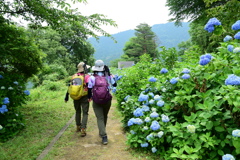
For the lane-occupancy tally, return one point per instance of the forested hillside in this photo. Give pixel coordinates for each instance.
(168, 34)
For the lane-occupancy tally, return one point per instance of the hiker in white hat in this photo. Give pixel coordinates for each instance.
(99, 92)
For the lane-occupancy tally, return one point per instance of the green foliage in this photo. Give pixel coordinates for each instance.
(19, 54)
(53, 72)
(11, 118)
(145, 42)
(168, 57)
(203, 102)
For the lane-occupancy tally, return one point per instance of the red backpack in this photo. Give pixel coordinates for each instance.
(101, 92)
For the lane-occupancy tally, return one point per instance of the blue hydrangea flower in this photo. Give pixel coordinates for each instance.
(160, 134)
(160, 103)
(3, 109)
(1, 127)
(114, 89)
(236, 25)
(126, 98)
(27, 92)
(227, 38)
(145, 108)
(6, 100)
(132, 132)
(237, 35)
(164, 70)
(154, 109)
(147, 119)
(152, 79)
(15, 82)
(228, 157)
(145, 128)
(149, 137)
(232, 80)
(209, 56)
(154, 115)
(144, 144)
(151, 94)
(155, 125)
(174, 80)
(165, 118)
(230, 48)
(186, 71)
(157, 97)
(138, 121)
(138, 112)
(191, 128)
(1, 77)
(10, 88)
(236, 50)
(211, 23)
(236, 133)
(142, 98)
(154, 149)
(185, 76)
(151, 101)
(131, 121)
(204, 61)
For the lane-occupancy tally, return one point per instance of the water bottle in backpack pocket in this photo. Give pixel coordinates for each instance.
(101, 92)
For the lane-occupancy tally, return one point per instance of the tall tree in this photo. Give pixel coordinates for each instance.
(144, 42)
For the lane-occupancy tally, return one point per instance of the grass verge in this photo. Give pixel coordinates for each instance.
(45, 113)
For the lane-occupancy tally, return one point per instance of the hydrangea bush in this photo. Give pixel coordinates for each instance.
(191, 111)
(13, 94)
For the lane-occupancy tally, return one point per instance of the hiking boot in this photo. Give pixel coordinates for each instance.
(104, 140)
(83, 132)
(78, 129)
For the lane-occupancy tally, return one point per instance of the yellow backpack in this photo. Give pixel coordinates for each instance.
(77, 88)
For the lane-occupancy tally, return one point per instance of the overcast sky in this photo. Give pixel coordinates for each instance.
(127, 13)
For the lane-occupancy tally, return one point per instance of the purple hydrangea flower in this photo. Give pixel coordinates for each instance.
(230, 48)
(236, 25)
(163, 70)
(185, 76)
(211, 23)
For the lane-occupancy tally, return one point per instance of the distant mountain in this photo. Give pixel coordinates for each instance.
(168, 34)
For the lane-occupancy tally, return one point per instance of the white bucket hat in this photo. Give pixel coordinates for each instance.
(99, 65)
(80, 66)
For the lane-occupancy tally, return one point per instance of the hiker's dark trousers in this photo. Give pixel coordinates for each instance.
(101, 112)
(81, 106)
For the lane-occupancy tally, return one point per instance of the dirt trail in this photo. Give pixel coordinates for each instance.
(90, 147)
